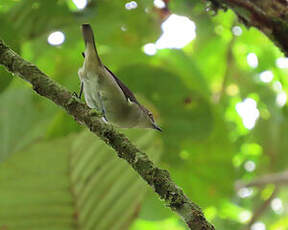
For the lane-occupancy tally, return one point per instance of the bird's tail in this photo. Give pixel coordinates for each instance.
(88, 34)
(88, 37)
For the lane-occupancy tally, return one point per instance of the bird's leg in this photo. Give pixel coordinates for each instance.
(102, 106)
(99, 110)
(80, 93)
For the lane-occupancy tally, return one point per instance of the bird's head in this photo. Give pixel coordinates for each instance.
(148, 120)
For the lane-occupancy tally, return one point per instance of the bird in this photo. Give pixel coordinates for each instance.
(106, 93)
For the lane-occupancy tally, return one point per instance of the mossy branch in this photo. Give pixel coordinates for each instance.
(157, 178)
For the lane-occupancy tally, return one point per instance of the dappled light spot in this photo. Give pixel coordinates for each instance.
(258, 226)
(219, 29)
(282, 62)
(277, 86)
(80, 4)
(277, 205)
(236, 30)
(252, 149)
(184, 154)
(232, 90)
(150, 49)
(266, 76)
(248, 111)
(56, 38)
(252, 60)
(281, 99)
(35, 5)
(244, 216)
(131, 5)
(159, 4)
(250, 166)
(178, 31)
(123, 28)
(147, 10)
(245, 192)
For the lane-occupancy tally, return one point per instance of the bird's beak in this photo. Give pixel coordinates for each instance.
(156, 127)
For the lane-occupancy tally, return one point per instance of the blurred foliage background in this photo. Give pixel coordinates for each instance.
(218, 91)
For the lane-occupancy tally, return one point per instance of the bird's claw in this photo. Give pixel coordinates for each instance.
(74, 94)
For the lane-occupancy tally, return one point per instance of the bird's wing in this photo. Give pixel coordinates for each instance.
(126, 91)
(130, 97)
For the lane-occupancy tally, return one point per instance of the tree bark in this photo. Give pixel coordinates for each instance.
(157, 178)
(269, 16)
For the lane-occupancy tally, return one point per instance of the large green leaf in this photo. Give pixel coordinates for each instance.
(206, 171)
(76, 181)
(20, 121)
(11, 38)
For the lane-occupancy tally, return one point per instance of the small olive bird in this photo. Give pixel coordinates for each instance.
(104, 92)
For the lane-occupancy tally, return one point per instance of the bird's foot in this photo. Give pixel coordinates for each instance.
(74, 94)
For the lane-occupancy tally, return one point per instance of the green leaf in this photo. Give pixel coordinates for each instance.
(167, 224)
(11, 38)
(183, 113)
(70, 182)
(6, 5)
(205, 171)
(19, 121)
(62, 125)
(181, 64)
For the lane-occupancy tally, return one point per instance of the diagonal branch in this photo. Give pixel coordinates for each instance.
(157, 178)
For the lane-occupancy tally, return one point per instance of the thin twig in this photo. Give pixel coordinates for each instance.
(273, 178)
(260, 210)
(229, 63)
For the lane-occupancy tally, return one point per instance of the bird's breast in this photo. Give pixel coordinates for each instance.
(91, 90)
(112, 100)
